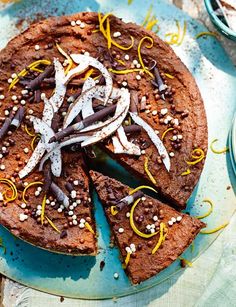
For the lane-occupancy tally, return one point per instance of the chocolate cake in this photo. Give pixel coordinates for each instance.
(179, 229)
(69, 82)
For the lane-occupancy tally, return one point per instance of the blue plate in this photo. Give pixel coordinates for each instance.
(80, 277)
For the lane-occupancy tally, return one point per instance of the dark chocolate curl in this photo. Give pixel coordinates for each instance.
(59, 194)
(161, 85)
(132, 129)
(6, 125)
(84, 123)
(134, 101)
(35, 84)
(128, 200)
(69, 187)
(18, 117)
(47, 178)
(37, 96)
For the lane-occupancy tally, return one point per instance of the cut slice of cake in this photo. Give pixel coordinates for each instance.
(149, 234)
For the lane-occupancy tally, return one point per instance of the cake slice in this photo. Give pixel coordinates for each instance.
(168, 231)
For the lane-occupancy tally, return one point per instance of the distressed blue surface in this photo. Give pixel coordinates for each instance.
(80, 277)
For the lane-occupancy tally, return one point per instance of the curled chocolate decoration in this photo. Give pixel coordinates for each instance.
(161, 85)
(59, 194)
(132, 129)
(37, 96)
(6, 125)
(134, 102)
(127, 200)
(84, 123)
(35, 83)
(47, 178)
(69, 187)
(18, 117)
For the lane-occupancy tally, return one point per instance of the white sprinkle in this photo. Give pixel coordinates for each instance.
(82, 25)
(26, 150)
(116, 275)
(38, 212)
(148, 227)
(124, 83)
(128, 214)
(143, 198)
(23, 205)
(71, 213)
(78, 22)
(157, 132)
(179, 218)
(14, 75)
(74, 222)
(173, 219)
(121, 230)
(73, 23)
(15, 108)
(1, 156)
(36, 47)
(82, 221)
(170, 223)
(138, 77)
(164, 111)
(138, 65)
(24, 92)
(87, 53)
(39, 207)
(154, 112)
(42, 96)
(171, 154)
(166, 121)
(64, 114)
(4, 148)
(132, 247)
(2, 97)
(116, 34)
(128, 250)
(36, 193)
(6, 112)
(74, 217)
(23, 102)
(180, 136)
(74, 204)
(147, 111)
(176, 121)
(39, 189)
(2, 167)
(89, 199)
(78, 201)
(47, 201)
(23, 217)
(71, 207)
(73, 194)
(52, 203)
(59, 210)
(127, 57)
(152, 230)
(169, 118)
(9, 80)
(81, 225)
(76, 182)
(135, 62)
(174, 137)
(30, 111)
(155, 218)
(25, 184)
(62, 207)
(143, 152)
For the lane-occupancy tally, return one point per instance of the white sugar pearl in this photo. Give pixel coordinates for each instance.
(128, 250)
(2, 167)
(23, 217)
(148, 227)
(132, 247)
(173, 219)
(74, 217)
(124, 83)
(26, 150)
(170, 223)
(126, 57)
(152, 230)
(14, 75)
(36, 47)
(6, 112)
(127, 214)
(38, 212)
(121, 230)
(15, 108)
(164, 111)
(116, 275)
(155, 218)
(36, 193)
(78, 201)
(179, 218)
(9, 80)
(143, 198)
(70, 213)
(74, 222)
(78, 22)
(138, 77)
(71, 207)
(73, 23)
(116, 34)
(135, 62)
(154, 112)
(59, 210)
(138, 65)
(76, 182)
(39, 207)
(180, 136)
(24, 92)
(14, 97)
(39, 189)
(73, 194)
(81, 225)
(82, 25)
(174, 137)
(2, 97)
(62, 207)
(52, 203)
(171, 154)
(22, 102)
(43, 96)
(82, 221)
(23, 205)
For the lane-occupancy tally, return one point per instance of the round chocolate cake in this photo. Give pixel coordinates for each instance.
(71, 82)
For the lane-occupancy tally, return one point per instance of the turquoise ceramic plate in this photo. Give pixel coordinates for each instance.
(232, 141)
(80, 277)
(218, 23)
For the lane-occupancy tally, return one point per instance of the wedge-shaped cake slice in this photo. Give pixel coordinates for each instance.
(150, 234)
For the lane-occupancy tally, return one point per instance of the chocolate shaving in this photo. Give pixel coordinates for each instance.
(6, 125)
(59, 194)
(37, 96)
(84, 123)
(128, 200)
(63, 234)
(161, 85)
(18, 117)
(69, 187)
(133, 101)
(47, 178)
(55, 121)
(132, 129)
(35, 83)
